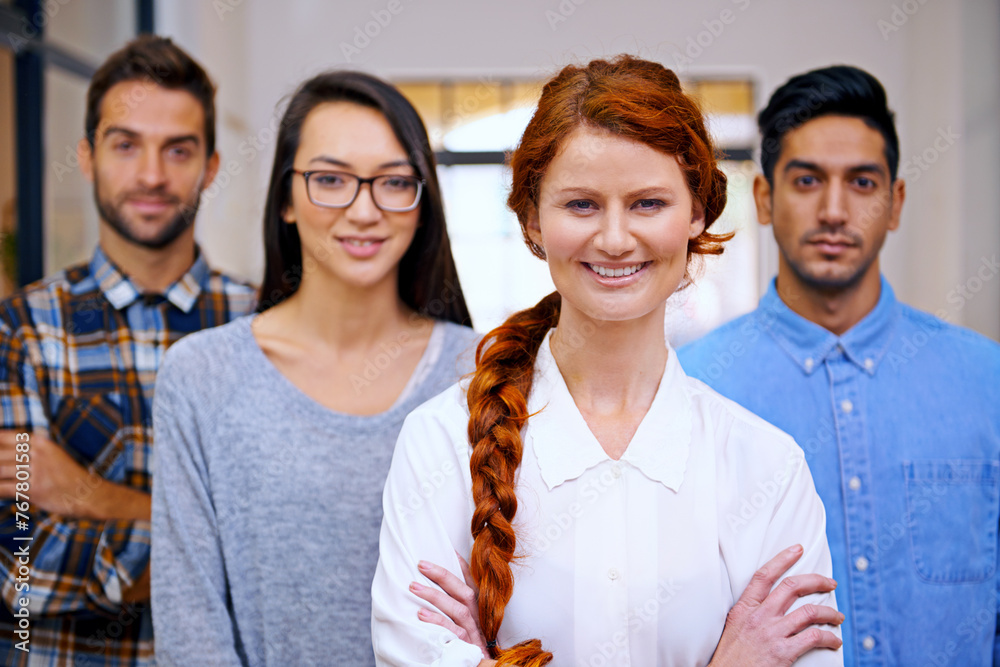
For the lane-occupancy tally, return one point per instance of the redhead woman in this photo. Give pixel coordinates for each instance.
(612, 511)
(274, 433)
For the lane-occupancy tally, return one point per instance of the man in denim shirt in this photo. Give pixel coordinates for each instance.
(898, 412)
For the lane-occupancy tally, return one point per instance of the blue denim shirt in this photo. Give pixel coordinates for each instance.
(900, 421)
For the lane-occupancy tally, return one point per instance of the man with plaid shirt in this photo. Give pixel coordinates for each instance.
(78, 358)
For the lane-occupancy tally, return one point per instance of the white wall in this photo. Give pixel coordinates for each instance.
(937, 60)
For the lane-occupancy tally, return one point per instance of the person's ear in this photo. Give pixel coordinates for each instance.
(898, 197)
(288, 211)
(534, 229)
(211, 169)
(697, 219)
(85, 158)
(762, 198)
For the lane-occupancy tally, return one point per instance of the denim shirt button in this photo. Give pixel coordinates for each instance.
(854, 483)
(808, 364)
(868, 642)
(846, 406)
(861, 563)
(869, 364)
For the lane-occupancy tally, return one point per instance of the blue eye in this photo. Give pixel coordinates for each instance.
(806, 180)
(581, 205)
(865, 182)
(650, 204)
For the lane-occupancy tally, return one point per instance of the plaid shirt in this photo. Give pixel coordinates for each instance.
(78, 356)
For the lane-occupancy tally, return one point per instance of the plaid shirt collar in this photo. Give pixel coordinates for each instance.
(121, 292)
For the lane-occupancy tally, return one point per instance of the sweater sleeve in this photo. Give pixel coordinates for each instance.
(191, 615)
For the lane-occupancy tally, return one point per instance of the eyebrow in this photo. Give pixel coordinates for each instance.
(132, 134)
(865, 168)
(326, 159)
(661, 190)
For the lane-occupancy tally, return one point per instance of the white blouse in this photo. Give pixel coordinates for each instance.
(628, 562)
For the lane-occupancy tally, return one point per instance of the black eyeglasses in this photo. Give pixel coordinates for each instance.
(339, 189)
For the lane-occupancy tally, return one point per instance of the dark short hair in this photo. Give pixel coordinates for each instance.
(428, 278)
(840, 90)
(161, 62)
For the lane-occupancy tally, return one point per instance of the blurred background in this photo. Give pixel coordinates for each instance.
(473, 69)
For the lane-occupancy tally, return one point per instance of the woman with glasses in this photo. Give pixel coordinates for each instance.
(274, 433)
(604, 508)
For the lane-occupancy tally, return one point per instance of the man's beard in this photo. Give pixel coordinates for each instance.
(184, 218)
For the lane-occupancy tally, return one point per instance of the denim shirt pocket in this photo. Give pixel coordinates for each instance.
(953, 507)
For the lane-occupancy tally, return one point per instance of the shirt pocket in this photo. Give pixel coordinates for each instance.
(953, 507)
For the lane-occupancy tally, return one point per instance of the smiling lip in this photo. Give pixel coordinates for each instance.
(616, 274)
(361, 247)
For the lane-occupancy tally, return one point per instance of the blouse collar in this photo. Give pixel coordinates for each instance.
(565, 447)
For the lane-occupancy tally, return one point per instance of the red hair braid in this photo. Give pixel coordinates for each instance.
(498, 410)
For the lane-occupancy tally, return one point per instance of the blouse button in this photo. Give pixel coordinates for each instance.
(614, 574)
(809, 364)
(861, 563)
(854, 483)
(616, 470)
(846, 406)
(868, 642)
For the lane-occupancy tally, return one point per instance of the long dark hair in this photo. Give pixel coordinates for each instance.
(428, 280)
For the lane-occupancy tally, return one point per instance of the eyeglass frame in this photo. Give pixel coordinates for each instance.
(361, 181)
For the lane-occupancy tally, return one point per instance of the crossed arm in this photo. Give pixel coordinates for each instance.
(758, 632)
(90, 536)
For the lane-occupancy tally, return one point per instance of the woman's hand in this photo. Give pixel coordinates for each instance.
(456, 603)
(757, 630)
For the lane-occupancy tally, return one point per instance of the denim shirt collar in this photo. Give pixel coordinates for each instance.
(809, 345)
(122, 293)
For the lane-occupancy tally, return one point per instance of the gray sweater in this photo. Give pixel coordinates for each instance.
(267, 505)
